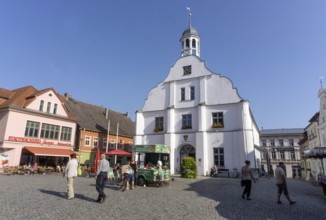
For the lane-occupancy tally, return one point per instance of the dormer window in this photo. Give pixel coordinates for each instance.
(187, 70)
(55, 108)
(41, 105)
(48, 107)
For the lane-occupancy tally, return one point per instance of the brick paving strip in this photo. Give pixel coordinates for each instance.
(43, 197)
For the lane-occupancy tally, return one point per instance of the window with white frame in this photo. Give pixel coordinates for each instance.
(48, 108)
(186, 121)
(272, 142)
(291, 142)
(281, 142)
(95, 142)
(282, 154)
(192, 92)
(292, 153)
(217, 120)
(158, 124)
(49, 131)
(264, 142)
(183, 94)
(32, 129)
(55, 108)
(65, 133)
(41, 105)
(219, 156)
(87, 141)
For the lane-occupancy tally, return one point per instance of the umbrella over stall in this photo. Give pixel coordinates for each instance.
(118, 152)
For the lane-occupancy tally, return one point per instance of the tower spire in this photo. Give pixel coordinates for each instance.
(190, 40)
(189, 14)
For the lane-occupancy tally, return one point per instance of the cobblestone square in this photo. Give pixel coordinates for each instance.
(43, 197)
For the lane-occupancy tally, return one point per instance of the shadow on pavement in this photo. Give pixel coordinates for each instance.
(64, 195)
(226, 192)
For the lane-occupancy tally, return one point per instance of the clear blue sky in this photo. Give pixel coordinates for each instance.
(112, 53)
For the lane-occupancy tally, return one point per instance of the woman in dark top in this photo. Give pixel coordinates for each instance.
(134, 166)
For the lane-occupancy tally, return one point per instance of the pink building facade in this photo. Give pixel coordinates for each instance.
(35, 126)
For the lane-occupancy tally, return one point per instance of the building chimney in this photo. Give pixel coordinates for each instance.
(67, 96)
(106, 113)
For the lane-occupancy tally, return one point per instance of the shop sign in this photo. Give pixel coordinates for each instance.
(37, 141)
(4, 160)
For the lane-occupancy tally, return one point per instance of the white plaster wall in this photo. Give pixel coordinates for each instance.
(158, 98)
(232, 118)
(220, 91)
(213, 93)
(178, 119)
(140, 123)
(187, 83)
(199, 69)
(149, 121)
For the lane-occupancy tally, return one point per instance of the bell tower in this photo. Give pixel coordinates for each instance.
(190, 40)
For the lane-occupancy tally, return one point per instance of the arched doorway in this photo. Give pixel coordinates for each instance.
(187, 151)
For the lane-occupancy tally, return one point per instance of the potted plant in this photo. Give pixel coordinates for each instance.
(158, 129)
(218, 125)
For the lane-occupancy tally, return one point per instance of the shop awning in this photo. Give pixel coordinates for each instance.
(52, 152)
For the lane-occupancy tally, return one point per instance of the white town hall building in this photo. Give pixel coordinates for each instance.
(199, 113)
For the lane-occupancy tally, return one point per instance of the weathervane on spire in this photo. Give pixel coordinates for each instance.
(321, 81)
(189, 13)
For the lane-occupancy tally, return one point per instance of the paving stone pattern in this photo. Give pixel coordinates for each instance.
(44, 197)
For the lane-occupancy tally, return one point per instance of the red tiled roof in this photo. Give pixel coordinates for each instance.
(24, 96)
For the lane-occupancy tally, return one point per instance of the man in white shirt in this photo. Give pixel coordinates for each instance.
(71, 174)
(101, 177)
(281, 183)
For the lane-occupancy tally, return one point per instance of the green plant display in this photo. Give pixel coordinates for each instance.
(188, 168)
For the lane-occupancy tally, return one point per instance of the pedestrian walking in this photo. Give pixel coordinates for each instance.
(281, 184)
(71, 174)
(134, 166)
(247, 177)
(101, 178)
